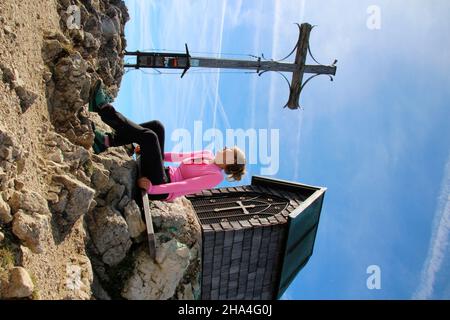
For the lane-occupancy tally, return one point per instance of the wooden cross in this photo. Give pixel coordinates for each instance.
(298, 68)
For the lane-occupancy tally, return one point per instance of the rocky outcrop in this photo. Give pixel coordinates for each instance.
(175, 271)
(119, 241)
(71, 220)
(12, 78)
(136, 225)
(79, 56)
(12, 159)
(29, 201)
(33, 229)
(26, 210)
(19, 284)
(5, 212)
(74, 199)
(110, 234)
(68, 92)
(158, 279)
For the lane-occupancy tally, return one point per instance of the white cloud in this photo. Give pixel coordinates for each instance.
(438, 249)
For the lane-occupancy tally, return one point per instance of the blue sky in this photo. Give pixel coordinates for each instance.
(377, 137)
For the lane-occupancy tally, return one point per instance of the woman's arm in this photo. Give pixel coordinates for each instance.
(186, 186)
(180, 156)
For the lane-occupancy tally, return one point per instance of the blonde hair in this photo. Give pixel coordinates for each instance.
(236, 170)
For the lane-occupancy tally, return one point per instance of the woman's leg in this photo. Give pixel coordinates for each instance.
(158, 128)
(125, 129)
(152, 165)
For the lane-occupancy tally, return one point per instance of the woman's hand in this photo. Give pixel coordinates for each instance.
(144, 183)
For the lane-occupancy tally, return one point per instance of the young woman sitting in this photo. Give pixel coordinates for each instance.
(197, 170)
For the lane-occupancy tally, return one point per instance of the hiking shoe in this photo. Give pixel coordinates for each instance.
(99, 145)
(98, 97)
